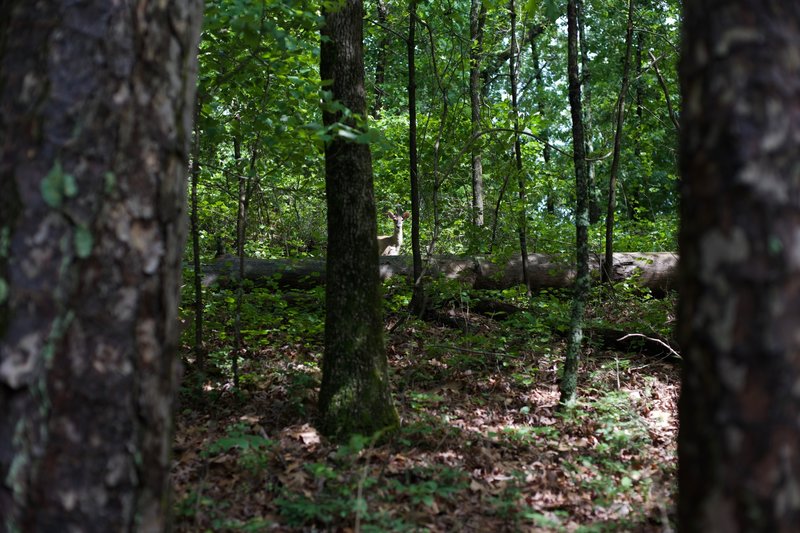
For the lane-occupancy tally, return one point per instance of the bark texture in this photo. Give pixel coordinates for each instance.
(569, 379)
(739, 441)
(96, 102)
(354, 395)
(588, 113)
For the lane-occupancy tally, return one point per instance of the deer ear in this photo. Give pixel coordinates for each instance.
(405, 215)
(389, 214)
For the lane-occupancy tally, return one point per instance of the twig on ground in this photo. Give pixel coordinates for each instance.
(659, 341)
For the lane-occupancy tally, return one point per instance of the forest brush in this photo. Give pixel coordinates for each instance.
(656, 271)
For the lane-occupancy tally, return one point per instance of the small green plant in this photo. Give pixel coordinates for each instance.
(302, 385)
(525, 378)
(253, 525)
(517, 435)
(397, 291)
(336, 501)
(425, 400)
(424, 485)
(607, 469)
(619, 426)
(427, 430)
(194, 501)
(511, 507)
(253, 449)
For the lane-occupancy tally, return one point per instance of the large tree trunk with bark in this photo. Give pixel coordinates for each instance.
(96, 106)
(739, 442)
(354, 396)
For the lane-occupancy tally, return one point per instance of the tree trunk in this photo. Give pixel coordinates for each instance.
(740, 269)
(477, 19)
(569, 379)
(496, 218)
(380, 62)
(620, 120)
(96, 106)
(639, 81)
(588, 117)
(417, 304)
(241, 187)
(354, 395)
(246, 184)
(541, 108)
(667, 99)
(522, 220)
(437, 147)
(199, 348)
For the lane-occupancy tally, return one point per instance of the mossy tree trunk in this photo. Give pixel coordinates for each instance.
(588, 113)
(739, 441)
(354, 396)
(96, 106)
(569, 378)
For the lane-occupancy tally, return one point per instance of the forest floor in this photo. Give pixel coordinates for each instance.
(482, 445)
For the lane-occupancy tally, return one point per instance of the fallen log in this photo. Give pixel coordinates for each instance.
(656, 271)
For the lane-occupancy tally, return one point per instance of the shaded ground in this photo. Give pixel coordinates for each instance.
(482, 447)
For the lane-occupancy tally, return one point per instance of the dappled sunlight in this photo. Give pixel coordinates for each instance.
(482, 445)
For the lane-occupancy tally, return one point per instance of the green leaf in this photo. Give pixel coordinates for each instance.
(83, 242)
(70, 186)
(368, 137)
(3, 290)
(552, 10)
(52, 186)
(532, 7)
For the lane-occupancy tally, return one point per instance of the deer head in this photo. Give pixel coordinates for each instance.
(390, 244)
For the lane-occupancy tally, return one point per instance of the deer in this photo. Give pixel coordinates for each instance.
(390, 244)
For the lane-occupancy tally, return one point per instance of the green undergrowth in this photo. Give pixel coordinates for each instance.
(482, 442)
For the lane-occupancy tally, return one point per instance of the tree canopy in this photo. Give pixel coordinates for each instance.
(260, 83)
